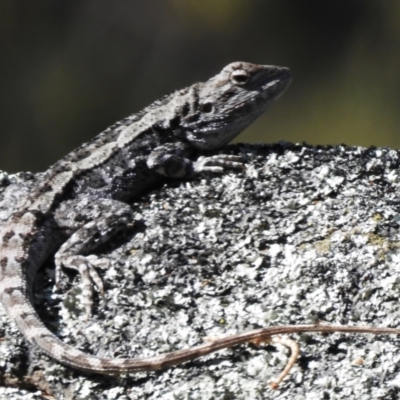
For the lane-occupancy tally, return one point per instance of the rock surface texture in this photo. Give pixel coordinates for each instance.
(303, 234)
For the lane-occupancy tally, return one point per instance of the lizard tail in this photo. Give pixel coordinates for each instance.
(20, 309)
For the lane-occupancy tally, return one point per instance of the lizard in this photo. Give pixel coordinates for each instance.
(83, 200)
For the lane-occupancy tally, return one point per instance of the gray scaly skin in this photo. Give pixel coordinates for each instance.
(81, 201)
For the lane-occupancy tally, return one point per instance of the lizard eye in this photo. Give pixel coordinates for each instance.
(240, 76)
(206, 108)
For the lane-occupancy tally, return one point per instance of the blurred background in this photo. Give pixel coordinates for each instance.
(71, 68)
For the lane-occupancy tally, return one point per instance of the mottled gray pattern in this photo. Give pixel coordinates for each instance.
(79, 203)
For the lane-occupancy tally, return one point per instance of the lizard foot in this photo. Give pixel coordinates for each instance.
(217, 163)
(86, 266)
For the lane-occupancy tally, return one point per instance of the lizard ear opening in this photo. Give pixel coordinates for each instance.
(206, 108)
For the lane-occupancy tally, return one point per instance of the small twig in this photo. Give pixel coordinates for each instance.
(256, 336)
(291, 344)
(264, 335)
(295, 351)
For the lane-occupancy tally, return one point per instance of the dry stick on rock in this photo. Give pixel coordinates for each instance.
(257, 336)
(264, 335)
(295, 351)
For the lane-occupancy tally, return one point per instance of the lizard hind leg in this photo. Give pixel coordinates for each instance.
(106, 219)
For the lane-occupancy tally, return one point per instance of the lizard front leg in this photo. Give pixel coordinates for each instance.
(103, 219)
(173, 160)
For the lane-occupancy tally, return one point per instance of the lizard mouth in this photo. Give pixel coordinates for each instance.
(280, 79)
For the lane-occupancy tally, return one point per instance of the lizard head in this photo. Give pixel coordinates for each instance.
(216, 111)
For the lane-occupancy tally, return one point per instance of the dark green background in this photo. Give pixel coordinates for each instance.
(71, 68)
